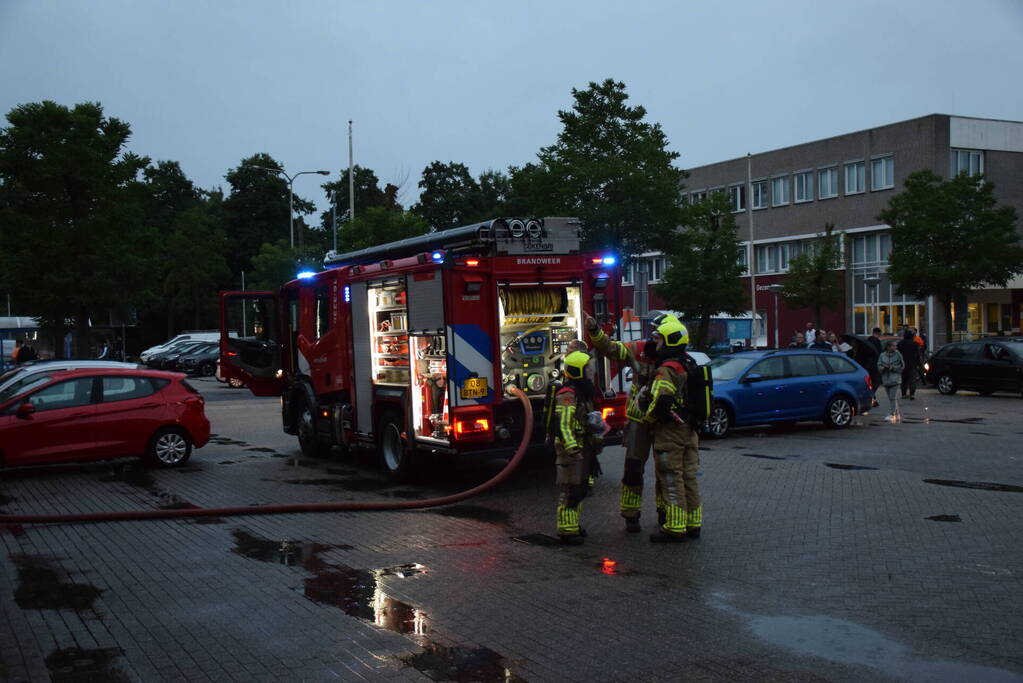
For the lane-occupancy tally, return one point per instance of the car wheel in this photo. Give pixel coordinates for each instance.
(207, 369)
(947, 385)
(838, 413)
(395, 453)
(719, 422)
(235, 383)
(305, 425)
(169, 447)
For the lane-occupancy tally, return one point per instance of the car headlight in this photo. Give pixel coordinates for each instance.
(927, 367)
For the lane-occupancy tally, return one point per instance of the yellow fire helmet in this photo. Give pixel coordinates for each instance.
(575, 364)
(674, 332)
(660, 317)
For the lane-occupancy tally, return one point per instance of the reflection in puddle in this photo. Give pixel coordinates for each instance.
(982, 485)
(441, 663)
(74, 665)
(41, 587)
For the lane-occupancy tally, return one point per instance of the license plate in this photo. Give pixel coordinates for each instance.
(474, 387)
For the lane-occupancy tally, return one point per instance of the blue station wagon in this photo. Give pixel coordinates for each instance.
(759, 387)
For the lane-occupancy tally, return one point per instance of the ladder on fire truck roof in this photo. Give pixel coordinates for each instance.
(500, 236)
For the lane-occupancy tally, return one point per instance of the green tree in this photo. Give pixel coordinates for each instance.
(450, 196)
(195, 266)
(703, 274)
(613, 170)
(70, 197)
(256, 211)
(813, 281)
(380, 226)
(949, 237)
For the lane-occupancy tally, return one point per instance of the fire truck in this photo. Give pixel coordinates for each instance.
(412, 347)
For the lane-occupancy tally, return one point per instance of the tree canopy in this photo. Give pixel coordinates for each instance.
(703, 274)
(813, 281)
(949, 237)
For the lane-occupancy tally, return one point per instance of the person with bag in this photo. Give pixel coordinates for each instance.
(574, 445)
(676, 444)
(910, 352)
(641, 357)
(892, 366)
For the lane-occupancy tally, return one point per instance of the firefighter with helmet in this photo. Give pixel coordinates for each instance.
(641, 357)
(676, 445)
(574, 445)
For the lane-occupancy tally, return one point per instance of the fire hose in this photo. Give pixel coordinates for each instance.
(349, 506)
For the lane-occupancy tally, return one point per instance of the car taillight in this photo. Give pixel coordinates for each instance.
(866, 378)
(476, 426)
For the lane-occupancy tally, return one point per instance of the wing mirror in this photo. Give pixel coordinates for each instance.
(25, 411)
(752, 377)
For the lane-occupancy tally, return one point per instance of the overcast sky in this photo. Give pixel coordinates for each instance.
(209, 83)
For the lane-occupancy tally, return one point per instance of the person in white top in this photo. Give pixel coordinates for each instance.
(810, 336)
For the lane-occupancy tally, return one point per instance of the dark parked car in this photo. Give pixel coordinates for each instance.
(200, 361)
(162, 360)
(758, 387)
(100, 413)
(985, 365)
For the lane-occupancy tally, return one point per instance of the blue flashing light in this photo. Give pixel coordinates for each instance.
(305, 275)
(348, 294)
(609, 260)
(437, 256)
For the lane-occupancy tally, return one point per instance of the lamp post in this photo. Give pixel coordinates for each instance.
(872, 281)
(775, 289)
(291, 194)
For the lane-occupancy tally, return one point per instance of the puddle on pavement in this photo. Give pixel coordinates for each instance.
(839, 466)
(260, 449)
(443, 663)
(283, 551)
(982, 485)
(226, 462)
(758, 455)
(73, 665)
(739, 448)
(849, 643)
(409, 495)
(224, 441)
(945, 518)
(538, 539)
(479, 513)
(928, 420)
(136, 476)
(40, 586)
(982, 433)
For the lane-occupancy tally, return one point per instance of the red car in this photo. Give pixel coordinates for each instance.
(94, 414)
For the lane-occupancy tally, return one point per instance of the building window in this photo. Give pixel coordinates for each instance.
(827, 183)
(804, 186)
(759, 194)
(699, 196)
(969, 161)
(882, 173)
(627, 274)
(743, 259)
(767, 258)
(855, 177)
(780, 191)
(737, 197)
(656, 269)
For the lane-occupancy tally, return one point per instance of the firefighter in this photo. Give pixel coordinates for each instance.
(641, 356)
(676, 445)
(573, 445)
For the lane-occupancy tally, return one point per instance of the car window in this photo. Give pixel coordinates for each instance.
(26, 383)
(70, 394)
(997, 352)
(806, 365)
(724, 368)
(963, 351)
(125, 388)
(770, 368)
(837, 365)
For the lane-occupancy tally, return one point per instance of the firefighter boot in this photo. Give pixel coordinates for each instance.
(674, 528)
(568, 525)
(694, 521)
(632, 502)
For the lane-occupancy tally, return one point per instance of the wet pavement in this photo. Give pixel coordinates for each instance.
(882, 552)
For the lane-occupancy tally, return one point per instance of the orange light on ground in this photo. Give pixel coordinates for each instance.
(607, 566)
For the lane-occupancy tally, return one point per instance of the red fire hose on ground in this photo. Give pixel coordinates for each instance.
(351, 506)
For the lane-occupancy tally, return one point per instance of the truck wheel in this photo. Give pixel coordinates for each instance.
(395, 452)
(306, 427)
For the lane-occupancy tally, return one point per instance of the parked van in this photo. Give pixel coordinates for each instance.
(194, 335)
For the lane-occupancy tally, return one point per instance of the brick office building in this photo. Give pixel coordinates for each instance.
(847, 180)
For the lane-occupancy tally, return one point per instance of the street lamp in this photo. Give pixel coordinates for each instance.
(872, 281)
(775, 289)
(291, 194)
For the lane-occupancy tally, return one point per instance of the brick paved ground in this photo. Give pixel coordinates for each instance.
(806, 572)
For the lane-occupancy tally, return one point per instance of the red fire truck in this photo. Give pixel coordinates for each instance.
(410, 347)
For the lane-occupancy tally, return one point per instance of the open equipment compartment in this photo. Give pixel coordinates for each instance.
(388, 316)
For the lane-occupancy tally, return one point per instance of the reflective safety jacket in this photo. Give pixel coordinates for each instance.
(570, 412)
(667, 392)
(643, 368)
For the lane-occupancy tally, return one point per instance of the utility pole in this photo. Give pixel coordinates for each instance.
(351, 177)
(752, 254)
